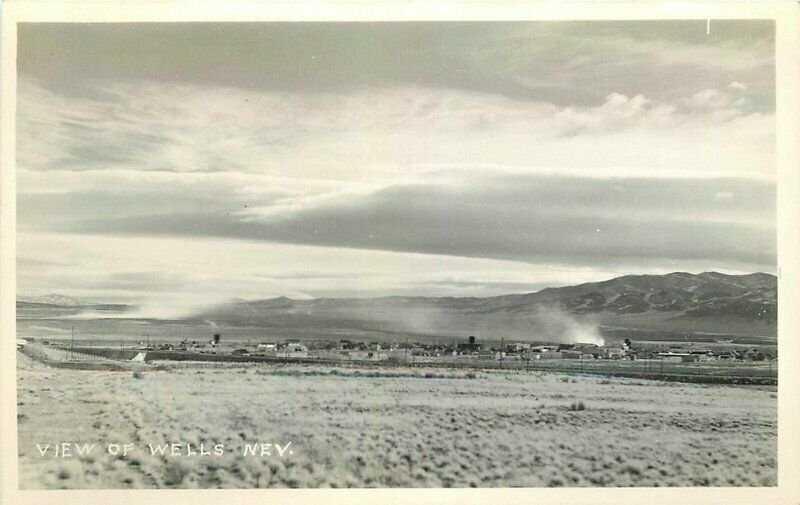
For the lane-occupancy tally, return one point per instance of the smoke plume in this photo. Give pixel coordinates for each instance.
(542, 324)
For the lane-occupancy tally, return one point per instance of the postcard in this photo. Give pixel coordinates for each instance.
(467, 252)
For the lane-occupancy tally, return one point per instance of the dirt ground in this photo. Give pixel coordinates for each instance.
(351, 430)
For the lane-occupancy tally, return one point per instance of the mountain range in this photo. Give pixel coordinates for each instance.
(679, 303)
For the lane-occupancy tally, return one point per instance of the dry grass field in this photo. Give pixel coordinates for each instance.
(346, 430)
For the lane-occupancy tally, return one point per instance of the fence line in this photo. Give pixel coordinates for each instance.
(54, 355)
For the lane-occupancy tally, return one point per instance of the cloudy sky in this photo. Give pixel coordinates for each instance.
(180, 164)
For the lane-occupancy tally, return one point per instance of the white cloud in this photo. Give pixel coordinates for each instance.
(375, 135)
(738, 86)
(155, 147)
(717, 100)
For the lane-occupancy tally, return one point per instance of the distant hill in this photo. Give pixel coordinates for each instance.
(679, 302)
(52, 299)
(751, 297)
(56, 306)
(680, 305)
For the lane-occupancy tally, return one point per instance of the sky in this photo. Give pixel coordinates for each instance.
(175, 165)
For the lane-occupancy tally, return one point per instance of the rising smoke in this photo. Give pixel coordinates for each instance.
(542, 324)
(558, 326)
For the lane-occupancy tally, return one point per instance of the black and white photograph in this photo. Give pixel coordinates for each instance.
(397, 254)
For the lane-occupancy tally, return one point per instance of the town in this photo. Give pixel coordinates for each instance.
(470, 349)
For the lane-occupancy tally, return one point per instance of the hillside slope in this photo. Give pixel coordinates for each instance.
(680, 302)
(678, 305)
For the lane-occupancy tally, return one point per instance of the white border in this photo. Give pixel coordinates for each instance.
(787, 16)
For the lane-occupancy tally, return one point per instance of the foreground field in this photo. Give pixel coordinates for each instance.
(352, 430)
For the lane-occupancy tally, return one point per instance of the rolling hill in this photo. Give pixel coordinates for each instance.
(682, 303)
(677, 305)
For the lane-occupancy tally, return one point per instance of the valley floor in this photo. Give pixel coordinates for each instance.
(351, 430)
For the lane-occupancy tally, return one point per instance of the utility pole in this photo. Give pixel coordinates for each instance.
(72, 344)
(502, 348)
(405, 355)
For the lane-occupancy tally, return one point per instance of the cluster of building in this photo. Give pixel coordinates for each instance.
(469, 349)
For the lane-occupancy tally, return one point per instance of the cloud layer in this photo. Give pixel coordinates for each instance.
(568, 220)
(546, 153)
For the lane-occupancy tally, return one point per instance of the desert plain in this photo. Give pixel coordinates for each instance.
(362, 428)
